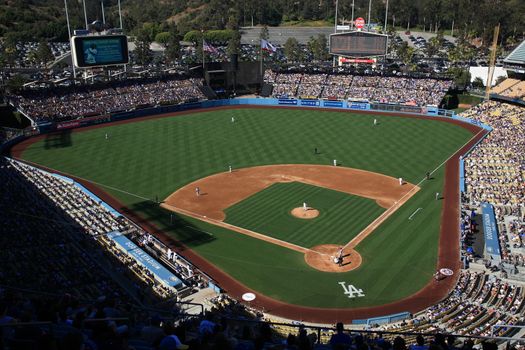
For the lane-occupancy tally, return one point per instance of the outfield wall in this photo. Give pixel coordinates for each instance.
(430, 111)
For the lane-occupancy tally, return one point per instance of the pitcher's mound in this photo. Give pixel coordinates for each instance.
(309, 213)
(321, 257)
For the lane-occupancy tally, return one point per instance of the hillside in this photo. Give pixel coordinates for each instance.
(35, 19)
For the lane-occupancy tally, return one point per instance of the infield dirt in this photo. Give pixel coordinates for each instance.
(207, 198)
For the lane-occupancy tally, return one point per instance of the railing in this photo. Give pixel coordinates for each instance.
(324, 333)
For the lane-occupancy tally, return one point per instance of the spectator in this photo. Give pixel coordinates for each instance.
(340, 339)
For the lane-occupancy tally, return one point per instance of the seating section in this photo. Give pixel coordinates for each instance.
(504, 85)
(86, 217)
(510, 87)
(494, 173)
(64, 104)
(399, 90)
(516, 90)
(478, 302)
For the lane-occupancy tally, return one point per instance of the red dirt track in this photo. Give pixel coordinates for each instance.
(433, 292)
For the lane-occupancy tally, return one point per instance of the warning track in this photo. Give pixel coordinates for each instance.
(448, 253)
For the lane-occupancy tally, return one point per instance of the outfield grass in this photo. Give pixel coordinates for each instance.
(155, 157)
(342, 216)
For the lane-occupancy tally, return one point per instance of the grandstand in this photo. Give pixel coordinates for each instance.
(396, 90)
(513, 88)
(79, 274)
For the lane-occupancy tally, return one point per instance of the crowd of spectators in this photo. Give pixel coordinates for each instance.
(494, 173)
(43, 256)
(478, 302)
(7, 134)
(97, 221)
(494, 169)
(516, 90)
(399, 90)
(64, 104)
(468, 230)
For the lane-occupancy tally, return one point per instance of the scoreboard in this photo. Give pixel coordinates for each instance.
(358, 44)
(96, 51)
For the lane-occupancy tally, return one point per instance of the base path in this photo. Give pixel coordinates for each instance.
(220, 191)
(207, 199)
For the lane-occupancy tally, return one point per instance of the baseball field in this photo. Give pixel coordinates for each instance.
(239, 226)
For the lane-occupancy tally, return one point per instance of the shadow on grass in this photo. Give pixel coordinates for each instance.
(171, 224)
(58, 139)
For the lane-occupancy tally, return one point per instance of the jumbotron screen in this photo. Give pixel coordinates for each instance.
(95, 51)
(358, 44)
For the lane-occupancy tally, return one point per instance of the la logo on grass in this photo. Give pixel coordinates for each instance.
(351, 291)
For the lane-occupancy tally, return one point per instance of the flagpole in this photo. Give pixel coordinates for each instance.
(203, 66)
(261, 62)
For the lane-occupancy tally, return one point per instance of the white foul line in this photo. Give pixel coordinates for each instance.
(414, 213)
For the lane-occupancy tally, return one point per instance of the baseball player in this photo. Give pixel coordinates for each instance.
(400, 181)
(197, 191)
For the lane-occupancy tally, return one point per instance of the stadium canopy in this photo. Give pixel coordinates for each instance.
(517, 56)
(515, 61)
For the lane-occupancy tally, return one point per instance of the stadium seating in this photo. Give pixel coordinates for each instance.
(504, 85)
(65, 104)
(420, 92)
(494, 173)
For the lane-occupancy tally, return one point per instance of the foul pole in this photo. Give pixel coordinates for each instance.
(492, 62)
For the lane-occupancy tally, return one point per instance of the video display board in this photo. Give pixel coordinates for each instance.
(358, 44)
(95, 51)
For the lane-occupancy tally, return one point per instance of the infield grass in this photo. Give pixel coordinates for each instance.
(341, 216)
(145, 159)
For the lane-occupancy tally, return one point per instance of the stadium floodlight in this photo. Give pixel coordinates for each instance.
(369, 13)
(85, 13)
(120, 14)
(103, 14)
(353, 7)
(386, 16)
(336, 8)
(69, 36)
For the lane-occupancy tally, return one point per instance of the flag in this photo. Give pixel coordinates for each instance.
(208, 48)
(267, 46)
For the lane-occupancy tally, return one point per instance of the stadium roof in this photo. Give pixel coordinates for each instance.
(517, 56)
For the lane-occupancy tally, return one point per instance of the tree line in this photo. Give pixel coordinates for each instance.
(45, 19)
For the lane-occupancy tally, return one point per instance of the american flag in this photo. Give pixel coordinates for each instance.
(267, 46)
(208, 48)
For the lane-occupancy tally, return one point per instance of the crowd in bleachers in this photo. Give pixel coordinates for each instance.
(495, 172)
(42, 249)
(97, 221)
(511, 88)
(479, 301)
(63, 104)
(7, 134)
(420, 92)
